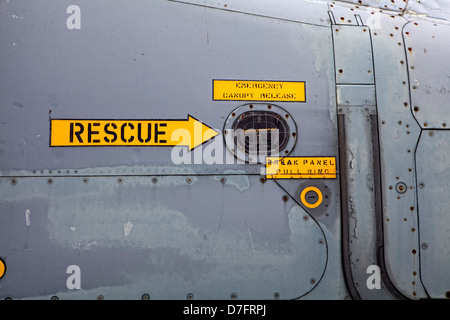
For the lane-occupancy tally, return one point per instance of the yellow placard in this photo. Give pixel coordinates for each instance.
(287, 91)
(90, 133)
(301, 167)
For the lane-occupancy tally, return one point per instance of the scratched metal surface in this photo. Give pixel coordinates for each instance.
(398, 135)
(427, 42)
(166, 238)
(439, 9)
(432, 177)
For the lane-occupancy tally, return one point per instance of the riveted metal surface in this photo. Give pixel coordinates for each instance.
(382, 4)
(398, 134)
(167, 238)
(356, 66)
(433, 173)
(426, 43)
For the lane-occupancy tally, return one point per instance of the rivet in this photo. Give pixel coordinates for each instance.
(145, 296)
(400, 187)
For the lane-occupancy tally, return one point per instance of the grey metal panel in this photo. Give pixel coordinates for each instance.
(310, 12)
(361, 201)
(382, 4)
(355, 95)
(356, 105)
(427, 43)
(433, 174)
(398, 137)
(332, 285)
(439, 9)
(353, 55)
(167, 238)
(147, 60)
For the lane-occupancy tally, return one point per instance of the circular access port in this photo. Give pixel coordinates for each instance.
(254, 131)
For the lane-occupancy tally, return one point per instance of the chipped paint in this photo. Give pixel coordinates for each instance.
(235, 178)
(127, 228)
(28, 217)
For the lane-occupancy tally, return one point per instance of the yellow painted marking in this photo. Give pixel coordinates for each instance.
(89, 133)
(301, 167)
(2, 268)
(306, 203)
(288, 91)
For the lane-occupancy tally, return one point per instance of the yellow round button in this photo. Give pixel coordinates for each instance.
(308, 204)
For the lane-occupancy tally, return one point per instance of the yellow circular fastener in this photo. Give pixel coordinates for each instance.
(2, 268)
(306, 203)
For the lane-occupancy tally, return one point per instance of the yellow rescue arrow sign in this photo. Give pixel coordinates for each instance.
(188, 132)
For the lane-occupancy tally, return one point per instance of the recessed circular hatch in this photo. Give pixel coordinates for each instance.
(254, 131)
